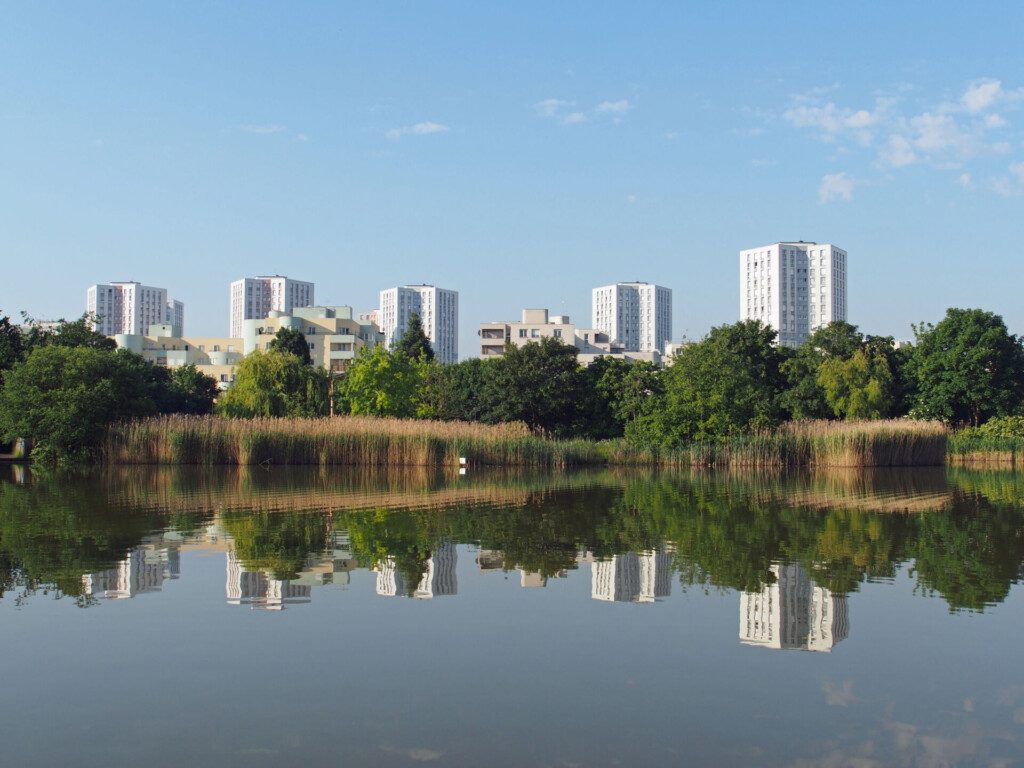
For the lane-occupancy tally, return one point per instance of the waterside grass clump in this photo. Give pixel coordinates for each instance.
(349, 440)
(365, 441)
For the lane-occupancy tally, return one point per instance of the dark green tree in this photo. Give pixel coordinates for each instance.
(612, 393)
(67, 333)
(968, 368)
(292, 341)
(455, 392)
(727, 384)
(63, 398)
(414, 342)
(12, 344)
(537, 383)
(804, 397)
(190, 391)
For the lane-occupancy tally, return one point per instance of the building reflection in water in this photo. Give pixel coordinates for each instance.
(438, 578)
(632, 577)
(793, 613)
(258, 589)
(144, 569)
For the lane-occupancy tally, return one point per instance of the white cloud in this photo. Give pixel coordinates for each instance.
(551, 107)
(835, 122)
(835, 186)
(995, 121)
(614, 107)
(420, 129)
(264, 130)
(980, 95)
(573, 118)
(1017, 170)
(670, 135)
(964, 180)
(898, 152)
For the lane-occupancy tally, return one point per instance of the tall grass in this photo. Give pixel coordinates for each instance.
(971, 446)
(368, 441)
(209, 440)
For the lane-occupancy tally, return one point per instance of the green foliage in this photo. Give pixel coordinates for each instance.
(190, 391)
(68, 333)
(277, 542)
(63, 398)
(538, 384)
(292, 341)
(455, 392)
(727, 384)
(275, 384)
(968, 368)
(414, 342)
(12, 345)
(804, 397)
(859, 387)
(613, 393)
(382, 383)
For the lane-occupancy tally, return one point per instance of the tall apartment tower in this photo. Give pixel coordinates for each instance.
(795, 288)
(438, 309)
(254, 298)
(638, 315)
(130, 308)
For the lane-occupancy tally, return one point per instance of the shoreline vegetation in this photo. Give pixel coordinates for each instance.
(368, 441)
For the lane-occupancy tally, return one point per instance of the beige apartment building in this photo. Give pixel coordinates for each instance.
(537, 324)
(216, 356)
(334, 335)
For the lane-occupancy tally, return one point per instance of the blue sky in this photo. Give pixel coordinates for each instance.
(520, 155)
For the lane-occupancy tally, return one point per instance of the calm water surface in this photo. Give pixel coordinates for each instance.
(281, 617)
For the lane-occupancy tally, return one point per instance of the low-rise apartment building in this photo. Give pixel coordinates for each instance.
(537, 324)
(217, 357)
(333, 334)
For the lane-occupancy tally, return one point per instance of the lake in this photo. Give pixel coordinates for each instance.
(269, 617)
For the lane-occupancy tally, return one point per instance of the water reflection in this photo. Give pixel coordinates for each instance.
(793, 613)
(119, 534)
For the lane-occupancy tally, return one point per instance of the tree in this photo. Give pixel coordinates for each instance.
(455, 392)
(537, 383)
(729, 383)
(275, 384)
(67, 333)
(12, 344)
(63, 398)
(292, 341)
(859, 387)
(804, 397)
(414, 342)
(191, 391)
(382, 383)
(613, 392)
(968, 368)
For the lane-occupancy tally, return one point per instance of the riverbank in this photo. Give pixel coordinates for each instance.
(363, 441)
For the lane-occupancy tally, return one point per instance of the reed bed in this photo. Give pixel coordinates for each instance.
(349, 440)
(971, 447)
(364, 441)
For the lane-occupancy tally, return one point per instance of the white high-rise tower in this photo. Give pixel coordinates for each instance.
(638, 315)
(438, 309)
(795, 288)
(130, 308)
(254, 298)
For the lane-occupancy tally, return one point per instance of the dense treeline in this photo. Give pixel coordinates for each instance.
(62, 387)
(965, 541)
(963, 371)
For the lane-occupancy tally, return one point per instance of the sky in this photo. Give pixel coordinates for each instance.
(521, 155)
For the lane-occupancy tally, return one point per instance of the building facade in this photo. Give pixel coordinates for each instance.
(795, 288)
(334, 337)
(632, 577)
(131, 308)
(636, 315)
(537, 324)
(217, 357)
(438, 309)
(254, 298)
(793, 613)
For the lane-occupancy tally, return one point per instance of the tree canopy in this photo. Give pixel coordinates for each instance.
(414, 342)
(382, 383)
(275, 383)
(292, 341)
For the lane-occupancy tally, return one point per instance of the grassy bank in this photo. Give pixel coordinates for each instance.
(349, 440)
(969, 447)
(393, 442)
